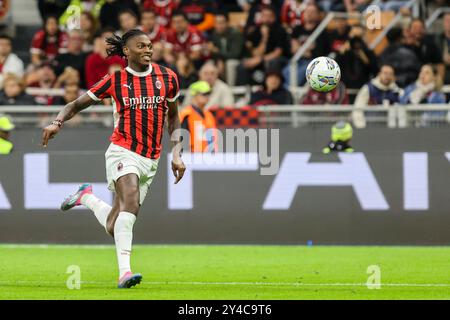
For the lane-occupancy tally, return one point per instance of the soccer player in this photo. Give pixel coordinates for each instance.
(142, 94)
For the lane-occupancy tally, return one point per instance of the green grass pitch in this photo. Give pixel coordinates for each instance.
(227, 272)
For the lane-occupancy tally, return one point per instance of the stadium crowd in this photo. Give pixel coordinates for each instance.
(198, 40)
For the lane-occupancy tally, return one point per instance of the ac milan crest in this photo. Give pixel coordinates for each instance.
(120, 166)
(158, 84)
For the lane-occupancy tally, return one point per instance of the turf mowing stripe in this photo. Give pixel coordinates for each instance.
(294, 284)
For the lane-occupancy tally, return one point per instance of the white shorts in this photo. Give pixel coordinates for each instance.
(121, 161)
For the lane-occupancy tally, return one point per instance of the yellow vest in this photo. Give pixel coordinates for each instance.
(5, 146)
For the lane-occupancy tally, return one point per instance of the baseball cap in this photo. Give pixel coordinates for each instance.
(199, 87)
(6, 124)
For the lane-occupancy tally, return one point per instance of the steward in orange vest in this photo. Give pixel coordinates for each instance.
(200, 122)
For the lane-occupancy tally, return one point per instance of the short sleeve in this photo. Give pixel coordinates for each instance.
(37, 42)
(174, 89)
(101, 89)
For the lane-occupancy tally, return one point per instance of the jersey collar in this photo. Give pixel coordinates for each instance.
(140, 74)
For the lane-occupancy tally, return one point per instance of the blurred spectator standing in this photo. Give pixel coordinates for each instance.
(200, 122)
(70, 19)
(150, 25)
(89, 27)
(404, 60)
(381, 90)
(52, 7)
(128, 20)
(226, 45)
(358, 63)
(75, 57)
(273, 91)
(186, 39)
(98, 63)
(13, 93)
(320, 47)
(427, 88)
(6, 126)
(185, 71)
(254, 9)
(109, 12)
(9, 61)
(220, 95)
(292, 13)
(424, 45)
(268, 47)
(336, 96)
(444, 44)
(200, 13)
(48, 42)
(163, 10)
(339, 35)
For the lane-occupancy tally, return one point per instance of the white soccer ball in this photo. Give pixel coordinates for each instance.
(323, 74)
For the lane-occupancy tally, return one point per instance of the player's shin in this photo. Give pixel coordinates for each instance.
(100, 208)
(123, 236)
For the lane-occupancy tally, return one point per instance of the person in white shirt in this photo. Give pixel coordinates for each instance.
(9, 62)
(221, 94)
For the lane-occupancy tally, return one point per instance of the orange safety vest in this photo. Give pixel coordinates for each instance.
(201, 139)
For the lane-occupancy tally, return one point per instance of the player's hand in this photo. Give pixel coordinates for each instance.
(178, 169)
(48, 133)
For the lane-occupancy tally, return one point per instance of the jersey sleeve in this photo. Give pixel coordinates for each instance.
(101, 89)
(174, 89)
(37, 42)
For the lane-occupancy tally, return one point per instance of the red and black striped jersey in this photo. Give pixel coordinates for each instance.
(140, 104)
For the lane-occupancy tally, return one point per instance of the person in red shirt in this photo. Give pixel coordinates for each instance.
(144, 94)
(292, 13)
(163, 10)
(150, 25)
(98, 63)
(48, 42)
(186, 39)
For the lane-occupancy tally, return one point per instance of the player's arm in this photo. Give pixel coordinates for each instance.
(67, 113)
(174, 126)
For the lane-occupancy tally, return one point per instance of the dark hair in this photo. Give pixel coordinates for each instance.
(387, 65)
(394, 35)
(5, 37)
(148, 11)
(223, 14)
(180, 13)
(129, 11)
(117, 43)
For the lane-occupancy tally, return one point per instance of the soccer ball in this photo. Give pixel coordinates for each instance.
(323, 74)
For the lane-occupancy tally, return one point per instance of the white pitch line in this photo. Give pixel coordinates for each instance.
(198, 283)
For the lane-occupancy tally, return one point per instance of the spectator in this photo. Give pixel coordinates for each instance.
(424, 45)
(71, 93)
(185, 71)
(405, 62)
(427, 88)
(69, 76)
(356, 5)
(43, 77)
(254, 9)
(378, 91)
(200, 13)
(128, 20)
(358, 63)
(339, 35)
(158, 55)
(444, 43)
(273, 91)
(226, 45)
(200, 122)
(292, 13)
(69, 19)
(75, 57)
(220, 95)
(9, 61)
(6, 126)
(98, 63)
(13, 93)
(109, 12)
(48, 42)
(184, 38)
(89, 27)
(320, 47)
(150, 25)
(52, 7)
(163, 10)
(336, 96)
(268, 47)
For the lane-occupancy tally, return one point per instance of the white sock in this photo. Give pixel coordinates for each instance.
(100, 208)
(123, 235)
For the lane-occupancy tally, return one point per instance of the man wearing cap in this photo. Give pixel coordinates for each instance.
(198, 121)
(5, 128)
(341, 134)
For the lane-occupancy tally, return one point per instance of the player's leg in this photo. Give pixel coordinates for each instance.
(127, 193)
(112, 216)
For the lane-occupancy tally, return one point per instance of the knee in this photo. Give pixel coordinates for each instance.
(130, 202)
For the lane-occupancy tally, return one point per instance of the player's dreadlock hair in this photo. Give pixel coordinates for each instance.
(116, 43)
